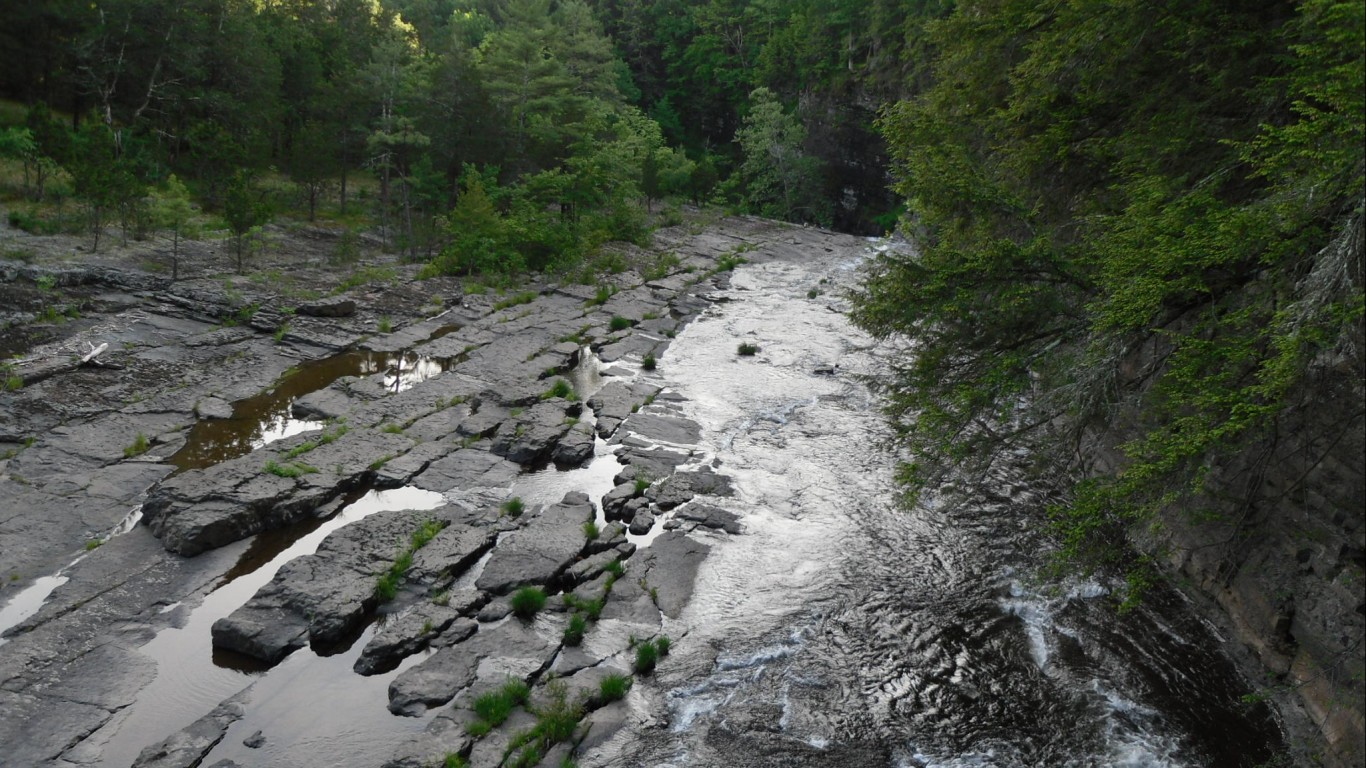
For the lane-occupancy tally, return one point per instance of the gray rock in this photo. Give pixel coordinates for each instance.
(664, 429)
(467, 468)
(706, 516)
(332, 307)
(187, 747)
(670, 568)
(540, 551)
(213, 408)
(614, 502)
(320, 598)
(254, 741)
(509, 649)
(642, 522)
(681, 487)
(575, 447)
(649, 463)
(410, 632)
(590, 567)
(615, 401)
(532, 436)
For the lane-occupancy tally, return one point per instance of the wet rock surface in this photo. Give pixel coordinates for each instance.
(456, 403)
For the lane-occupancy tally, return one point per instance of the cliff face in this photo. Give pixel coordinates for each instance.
(1281, 552)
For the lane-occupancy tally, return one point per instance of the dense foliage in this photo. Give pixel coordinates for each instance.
(1135, 215)
(566, 118)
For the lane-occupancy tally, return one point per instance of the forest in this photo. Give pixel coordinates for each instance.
(1124, 212)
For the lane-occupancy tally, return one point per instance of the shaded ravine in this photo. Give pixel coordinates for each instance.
(843, 630)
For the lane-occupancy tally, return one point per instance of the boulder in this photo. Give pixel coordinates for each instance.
(681, 487)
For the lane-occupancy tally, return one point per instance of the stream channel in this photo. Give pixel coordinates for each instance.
(839, 629)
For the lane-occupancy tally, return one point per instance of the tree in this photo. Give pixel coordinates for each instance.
(172, 210)
(244, 210)
(313, 162)
(778, 178)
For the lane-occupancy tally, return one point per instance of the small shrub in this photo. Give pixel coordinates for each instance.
(747, 350)
(513, 506)
(140, 444)
(528, 601)
(590, 531)
(613, 687)
(619, 323)
(648, 363)
(573, 633)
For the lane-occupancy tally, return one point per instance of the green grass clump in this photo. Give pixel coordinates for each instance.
(619, 323)
(494, 707)
(454, 760)
(642, 482)
(513, 507)
(613, 688)
(648, 363)
(560, 388)
(386, 325)
(297, 469)
(388, 582)
(528, 601)
(604, 293)
(813, 293)
(747, 350)
(573, 632)
(555, 723)
(525, 297)
(140, 444)
(616, 568)
(590, 531)
(393, 429)
(649, 653)
(13, 383)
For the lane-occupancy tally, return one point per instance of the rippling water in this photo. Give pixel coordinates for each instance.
(844, 630)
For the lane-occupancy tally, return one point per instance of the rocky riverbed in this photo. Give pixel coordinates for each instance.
(179, 483)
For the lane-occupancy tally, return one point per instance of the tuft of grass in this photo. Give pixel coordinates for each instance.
(560, 388)
(297, 469)
(648, 363)
(93, 544)
(379, 463)
(525, 297)
(747, 350)
(613, 688)
(604, 293)
(454, 760)
(393, 429)
(590, 531)
(647, 656)
(642, 482)
(280, 333)
(514, 506)
(573, 632)
(140, 445)
(616, 568)
(494, 707)
(13, 383)
(663, 643)
(388, 582)
(813, 293)
(619, 323)
(386, 325)
(528, 601)
(555, 723)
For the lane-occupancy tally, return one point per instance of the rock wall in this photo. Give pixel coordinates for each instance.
(1277, 560)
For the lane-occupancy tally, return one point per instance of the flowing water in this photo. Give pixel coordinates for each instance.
(841, 629)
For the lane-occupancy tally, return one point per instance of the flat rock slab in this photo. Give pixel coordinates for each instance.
(532, 436)
(512, 647)
(541, 550)
(616, 401)
(187, 747)
(207, 508)
(664, 429)
(320, 597)
(670, 566)
(409, 633)
(681, 487)
(705, 516)
(465, 469)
